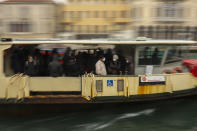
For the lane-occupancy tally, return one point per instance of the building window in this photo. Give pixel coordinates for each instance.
(71, 14)
(133, 13)
(24, 11)
(169, 11)
(105, 28)
(79, 28)
(123, 14)
(141, 31)
(114, 14)
(79, 14)
(20, 27)
(75, 14)
(105, 14)
(64, 15)
(180, 12)
(88, 28)
(136, 13)
(96, 29)
(87, 14)
(71, 28)
(158, 12)
(96, 14)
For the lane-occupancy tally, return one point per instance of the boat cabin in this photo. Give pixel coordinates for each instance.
(141, 68)
(134, 57)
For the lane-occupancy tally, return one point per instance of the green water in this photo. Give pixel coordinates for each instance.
(171, 115)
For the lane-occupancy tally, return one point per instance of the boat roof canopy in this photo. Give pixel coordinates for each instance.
(98, 42)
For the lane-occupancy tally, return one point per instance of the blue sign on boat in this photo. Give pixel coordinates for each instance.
(110, 83)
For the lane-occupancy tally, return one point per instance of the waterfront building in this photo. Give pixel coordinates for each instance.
(0, 20)
(164, 19)
(27, 19)
(91, 19)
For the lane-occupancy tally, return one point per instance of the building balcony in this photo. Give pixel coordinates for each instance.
(93, 21)
(91, 31)
(169, 19)
(121, 20)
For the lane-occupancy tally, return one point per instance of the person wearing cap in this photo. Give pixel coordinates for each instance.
(100, 66)
(114, 66)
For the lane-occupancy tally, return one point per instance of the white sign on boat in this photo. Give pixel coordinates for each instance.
(152, 78)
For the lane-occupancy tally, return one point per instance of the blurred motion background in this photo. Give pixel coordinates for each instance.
(99, 19)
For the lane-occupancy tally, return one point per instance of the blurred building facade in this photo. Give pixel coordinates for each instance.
(91, 19)
(164, 19)
(27, 19)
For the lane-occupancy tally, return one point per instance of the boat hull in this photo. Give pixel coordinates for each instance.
(78, 99)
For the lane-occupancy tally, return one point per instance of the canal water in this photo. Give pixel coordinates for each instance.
(168, 115)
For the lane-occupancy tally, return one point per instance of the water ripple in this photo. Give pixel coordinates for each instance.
(99, 126)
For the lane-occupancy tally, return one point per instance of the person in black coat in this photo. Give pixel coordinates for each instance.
(55, 68)
(31, 67)
(114, 66)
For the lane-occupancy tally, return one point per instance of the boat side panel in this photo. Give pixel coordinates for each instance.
(181, 81)
(173, 83)
(3, 79)
(50, 84)
(3, 87)
(2, 48)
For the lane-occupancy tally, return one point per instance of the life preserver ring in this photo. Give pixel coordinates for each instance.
(167, 71)
(178, 69)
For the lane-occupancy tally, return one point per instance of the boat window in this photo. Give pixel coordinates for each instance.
(191, 53)
(67, 60)
(150, 55)
(176, 54)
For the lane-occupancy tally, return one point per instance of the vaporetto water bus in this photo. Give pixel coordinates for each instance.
(159, 69)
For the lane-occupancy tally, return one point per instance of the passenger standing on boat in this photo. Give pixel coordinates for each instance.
(86, 59)
(66, 58)
(114, 66)
(155, 59)
(129, 70)
(122, 61)
(69, 64)
(37, 57)
(30, 66)
(75, 68)
(54, 54)
(44, 62)
(94, 59)
(55, 68)
(80, 63)
(109, 58)
(15, 61)
(100, 66)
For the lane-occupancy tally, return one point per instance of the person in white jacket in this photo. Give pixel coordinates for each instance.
(100, 66)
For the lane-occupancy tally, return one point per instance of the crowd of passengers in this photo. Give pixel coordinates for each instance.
(34, 63)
